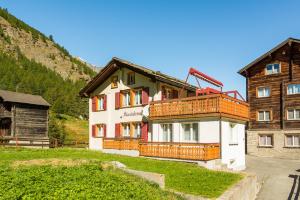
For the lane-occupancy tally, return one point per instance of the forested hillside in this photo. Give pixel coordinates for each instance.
(27, 76)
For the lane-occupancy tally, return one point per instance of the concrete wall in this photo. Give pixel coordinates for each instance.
(278, 149)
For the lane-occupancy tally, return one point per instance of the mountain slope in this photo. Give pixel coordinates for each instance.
(18, 36)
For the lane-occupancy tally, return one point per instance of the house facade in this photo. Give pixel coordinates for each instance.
(136, 111)
(23, 118)
(118, 96)
(273, 93)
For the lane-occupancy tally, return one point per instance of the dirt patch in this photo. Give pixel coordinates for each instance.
(51, 162)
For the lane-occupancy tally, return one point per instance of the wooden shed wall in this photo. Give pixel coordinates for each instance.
(31, 120)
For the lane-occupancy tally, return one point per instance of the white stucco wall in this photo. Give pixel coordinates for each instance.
(233, 154)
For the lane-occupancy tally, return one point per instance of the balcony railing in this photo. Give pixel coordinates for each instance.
(187, 151)
(217, 104)
(121, 143)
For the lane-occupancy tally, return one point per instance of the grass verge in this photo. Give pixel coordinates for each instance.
(183, 177)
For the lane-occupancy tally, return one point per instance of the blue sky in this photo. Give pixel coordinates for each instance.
(216, 37)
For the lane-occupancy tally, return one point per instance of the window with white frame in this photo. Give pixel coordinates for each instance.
(272, 68)
(126, 129)
(263, 92)
(167, 130)
(293, 89)
(190, 132)
(126, 100)
(137, 130)
(292, 140)
(138, 97)
(233, 134)
(264, 115)
(266, 140)
(293, 114)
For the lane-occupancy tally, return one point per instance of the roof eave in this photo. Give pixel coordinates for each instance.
(244, 69)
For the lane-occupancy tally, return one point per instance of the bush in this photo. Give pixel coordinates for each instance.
(56, 129)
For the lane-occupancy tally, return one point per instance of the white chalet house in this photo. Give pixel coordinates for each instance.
(137, 111)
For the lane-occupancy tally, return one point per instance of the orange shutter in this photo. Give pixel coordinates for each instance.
(93, 130)
(117, 100)
(104, 130)
(94, 100)
(132, 94)
(145, 96)
(144, 136)
(132, 127)
(117, 130)
(104, 102)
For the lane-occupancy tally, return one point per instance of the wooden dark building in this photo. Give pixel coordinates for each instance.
(273, 93)
(23, 117)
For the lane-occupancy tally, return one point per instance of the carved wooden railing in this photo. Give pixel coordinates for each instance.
(121, 143)
(188, 151)
(191, 106)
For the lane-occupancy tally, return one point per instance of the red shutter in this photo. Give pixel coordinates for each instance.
(93, 130)
(175, 94)
(144, 132)
(145, 96)
(104, 130)
(94, 99)
(117, 100)
(104, 102)
(117, 130)
(163, 93)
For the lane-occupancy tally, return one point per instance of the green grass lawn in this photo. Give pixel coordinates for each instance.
(183, 177)
(76, 129)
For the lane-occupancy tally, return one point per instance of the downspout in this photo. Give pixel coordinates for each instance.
(220, 135)
(220, 127)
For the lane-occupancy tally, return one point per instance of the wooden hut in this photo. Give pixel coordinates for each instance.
(23, 118)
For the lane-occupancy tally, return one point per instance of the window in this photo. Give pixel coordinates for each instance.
(169, 93)
(130, 78)
(272, 68)
(100, 103)
(114, 82)
(126, 100)
(263, 92)
(138, 97)
(137, 130)
(266, 140)
(98, 130)
(264, 116)
(126, 130)
(292, 140)
(293, 89)
(293, 114)
(190, 132)
(167, 132)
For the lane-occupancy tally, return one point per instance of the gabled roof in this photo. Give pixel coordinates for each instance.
(17, 97)
(287, 41)
(116, 63)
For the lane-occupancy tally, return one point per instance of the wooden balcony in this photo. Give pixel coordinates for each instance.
(186, 151)
(121, 143)
(201, 106)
